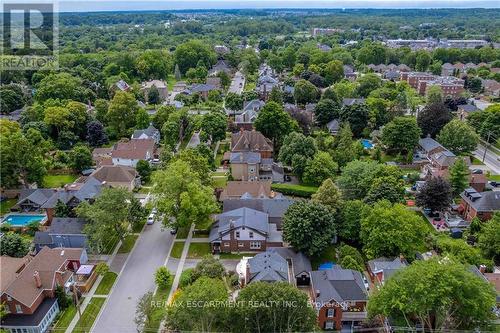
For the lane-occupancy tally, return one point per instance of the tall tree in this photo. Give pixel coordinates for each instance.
(351, 213)
(401, 134)
(274, 123)
(333, 72)
(489, 238)
(459, 176)
(329, 195)
(309, 227)
(325, 111)
(319, 168)
(96, 135)
(296, 150)
(459, 137)
(122, 113)
(433, 118)
(14, 245)
(214, 124)
(305, 92)
(436, 194)
(437, 294)
(80, 158)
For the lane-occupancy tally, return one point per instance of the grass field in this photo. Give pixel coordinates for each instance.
(89, 315)
(54, 181)
(6, 205)
(295, 189)
(494, 177)
(106, 283)
(198, 250)
(177, 250)
(65, 318)
(127, 244)
(219, 181)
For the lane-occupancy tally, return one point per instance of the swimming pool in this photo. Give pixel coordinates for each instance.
(21, 220)
(367, 144)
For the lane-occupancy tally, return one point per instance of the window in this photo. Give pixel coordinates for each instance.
(241, 245)
(237, 234)
(254, 245)
(329, 325)
(250, 234)
(330, 313)
(226, 244)
(19, 309)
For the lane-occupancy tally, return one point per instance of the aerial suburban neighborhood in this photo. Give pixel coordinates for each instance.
(252, 170)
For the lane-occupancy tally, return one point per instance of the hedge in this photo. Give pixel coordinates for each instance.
(295, 190)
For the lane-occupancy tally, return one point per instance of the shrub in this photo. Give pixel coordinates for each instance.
(295, 190)
(162, 277)
(186, 278)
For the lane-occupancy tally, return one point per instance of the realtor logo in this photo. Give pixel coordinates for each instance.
(29, 36)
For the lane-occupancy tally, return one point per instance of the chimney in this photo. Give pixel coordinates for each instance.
(38, 280)
(482, 268)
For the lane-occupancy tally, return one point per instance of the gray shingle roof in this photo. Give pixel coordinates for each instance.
(429, 144)
(300, 262)
(275, 207)
(482, 202)
(468, 107)
(269, 267)
(333, 126)
(241, 217)
(245, 157)
(66, 226)
(151, 131)
(339, 285)
(352, 101)
(387, 265)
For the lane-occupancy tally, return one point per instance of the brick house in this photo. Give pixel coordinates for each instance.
(243, 230)
(28, 287)
(479, 204)
(381, 269)
(340, 298)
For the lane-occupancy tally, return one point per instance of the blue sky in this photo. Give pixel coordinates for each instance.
(115, 5)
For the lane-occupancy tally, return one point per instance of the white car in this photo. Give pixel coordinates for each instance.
(151, 219)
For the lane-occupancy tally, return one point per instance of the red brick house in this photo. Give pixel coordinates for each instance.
(340, 298)
(479, 204)
(381, 269)
(243, 229)
(28, 287)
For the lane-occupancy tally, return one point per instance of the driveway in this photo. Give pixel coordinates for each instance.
(135, 280)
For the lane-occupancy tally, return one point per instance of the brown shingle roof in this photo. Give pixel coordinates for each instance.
(10, 268)
(46, 263)
(114, 174)
(134, 149)
(238, 188)
(250, 141)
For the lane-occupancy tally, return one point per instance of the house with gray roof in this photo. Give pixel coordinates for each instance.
(464, 110)
(279, 264)
(479, 204)
(381, 269)
(340, 298)
(62, 232)
(148, 133)
(333, 126)
(243, 230)
(429, 146)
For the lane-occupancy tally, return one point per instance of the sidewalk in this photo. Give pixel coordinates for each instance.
(180, 267)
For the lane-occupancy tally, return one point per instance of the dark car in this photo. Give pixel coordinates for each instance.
(173, 231)
(477, 172)
(494, 183)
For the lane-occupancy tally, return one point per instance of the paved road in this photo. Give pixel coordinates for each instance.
(237, 84)
(491, 159)
(135, 280)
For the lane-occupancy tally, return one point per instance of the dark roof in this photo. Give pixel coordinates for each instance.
(269, 267)
(333, 126)
(429, 144)
(29, 320)
(67, 225)
(250, 141)
(245, 157)
(241, 217)
(202, 87)
(482, 202)
(300, 262)
(386, 265)
(468, 107)
(42, 238)
(151, 131)
(339, 285)
(275, 207)
(352, 101)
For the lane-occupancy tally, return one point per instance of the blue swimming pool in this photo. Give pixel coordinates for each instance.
(367, 144)
(21, 220)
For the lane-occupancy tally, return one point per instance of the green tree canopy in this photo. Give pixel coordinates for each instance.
(459, 137)
(274, 123)
(436, 194)
(319, 168)
(296, 150)
(329, 195)
(401, 134)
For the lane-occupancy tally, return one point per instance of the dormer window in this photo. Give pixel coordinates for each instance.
(237, 234)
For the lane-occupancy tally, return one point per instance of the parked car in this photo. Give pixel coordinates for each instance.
(494, 183)
(477, 171)
(151, 219)
(173, 231)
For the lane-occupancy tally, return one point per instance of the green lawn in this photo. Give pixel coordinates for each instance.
(128, 244)
(160, 301)
(109, 247)
(144, 190)
(177, 250)
(6, 205)
(138, 227)
(198, 250)
(65, 318)
(106, 283)
(328, 255)
(475, 161)
(54, 181)
(182, 232)
(89, 315)
(219, 181)
(494, 177)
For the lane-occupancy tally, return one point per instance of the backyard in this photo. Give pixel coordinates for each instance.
(55, 181)
(6, 205)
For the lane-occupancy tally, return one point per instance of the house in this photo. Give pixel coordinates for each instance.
(280, 264)
(63, 232)
(214, 81)
(333, 126)
(160, 85)
(340, 298)
(274, 206)
(429, 146)
(128, 153)
(381, 269)
(491, 88)
(235, 189)
(220, 66)
(349, 73)
(28, 285)
(102, 156)
(221, 49)
(251, 156)
(117, 176)
(203, 89)
(464, 110)
(352, 101)
(265, 83)
(243, 230)
(31, 200)
(479, 204)
(250, 112)
(447, 69)
(122, 85)
(149, 133)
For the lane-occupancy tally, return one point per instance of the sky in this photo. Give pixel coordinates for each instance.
(124, 5)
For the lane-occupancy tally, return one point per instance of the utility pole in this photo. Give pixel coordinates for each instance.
(77, 300)
(486, 146)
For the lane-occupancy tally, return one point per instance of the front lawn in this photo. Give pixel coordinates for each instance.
(55, 181)
(89, 315)
(160, 301)
(65, 318)
(6, 205)
(182, 232)
(127, 244)
(494, 178)
(177, 250)
(476, 161)
(328, 255)
(106, 283)
(198, 250)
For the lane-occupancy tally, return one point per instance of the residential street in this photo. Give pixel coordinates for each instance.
(491, 159)
(136, 279)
